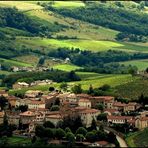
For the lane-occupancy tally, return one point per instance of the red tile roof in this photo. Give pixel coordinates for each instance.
(120, 117)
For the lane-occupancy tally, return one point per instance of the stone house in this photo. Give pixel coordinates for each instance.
(84, 103)
(3, 93)
(20, 85)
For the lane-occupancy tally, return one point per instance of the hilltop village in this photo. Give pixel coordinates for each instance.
(37, 108)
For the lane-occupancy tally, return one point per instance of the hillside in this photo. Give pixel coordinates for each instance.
(103, 41)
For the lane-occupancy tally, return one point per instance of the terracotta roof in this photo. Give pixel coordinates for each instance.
(1, 114)
(83, 95)
(119, 104)
(111, 110)
(143, 118)
(39, 109)
(89, 111)
(131, 104)
(120, 117)
(27, 113)
(84, 100)
(56, 116)
(3, 92)
(103, 98)
(36, 102)
(102, 142)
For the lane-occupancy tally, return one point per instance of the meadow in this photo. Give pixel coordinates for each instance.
(140, 64)
(11, 62)
(66, 67)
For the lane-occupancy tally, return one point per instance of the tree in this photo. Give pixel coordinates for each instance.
(105, 87)
(55, 108)
(57, 101)
(23, 108)
(77, 89)
(91, 136)
(48, 133)
(67, 129)
(3, 102)
(146, 70)
(91, 90)
(33, 140)
(80, 137)
(93, 124)
(60, 133)
(81, 130)
(48, 124)
(102, 117)
(71, 138)
(100, 106)
(63, 86)
(51, 88)
(141, 5)
(39, 131)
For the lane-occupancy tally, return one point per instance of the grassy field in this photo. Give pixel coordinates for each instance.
(141, 64)
(68, 4)
(14, 63)
(18, 140)
(66, 67)
(23, 5)
(138, 139)
(133, 89)
(93, 45)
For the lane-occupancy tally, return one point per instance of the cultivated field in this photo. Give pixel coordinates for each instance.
(138, 139)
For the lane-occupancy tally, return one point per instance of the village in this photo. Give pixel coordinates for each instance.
(38, 107)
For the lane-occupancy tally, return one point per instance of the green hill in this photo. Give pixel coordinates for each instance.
(92, 25)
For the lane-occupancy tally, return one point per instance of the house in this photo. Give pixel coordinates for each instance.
(33, 104)
(119, 106)
(41, 82)
(3, 93)
(20, 102)
(33, 93)
(131, 106)
(107, 101)
(27, 117)
(141, 122)
(20, 85)
(12, 100)
(55, 119)
(13, 119)
(87, 115)
(121, 119)
(84, 103)
(111, 112)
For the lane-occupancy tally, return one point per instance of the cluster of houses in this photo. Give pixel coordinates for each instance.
(29, 69)
(72, 105)
(20, 85)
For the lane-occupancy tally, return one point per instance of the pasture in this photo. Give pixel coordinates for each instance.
(11, 62)
(140, 64)
(66, 67)
(21, 5)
